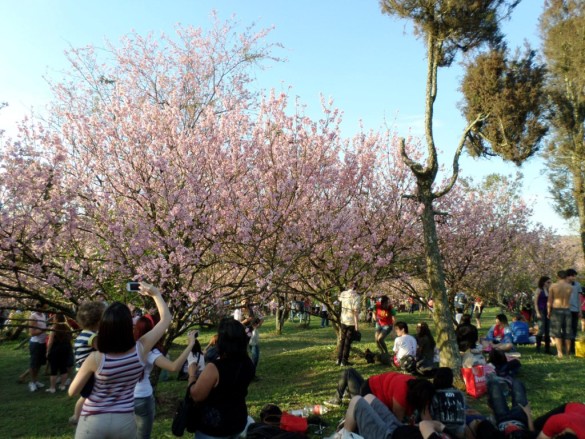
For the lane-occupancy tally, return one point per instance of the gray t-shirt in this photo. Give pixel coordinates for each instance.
(574, 302)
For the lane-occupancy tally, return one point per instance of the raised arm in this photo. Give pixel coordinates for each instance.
(149, 339)
(174, 366)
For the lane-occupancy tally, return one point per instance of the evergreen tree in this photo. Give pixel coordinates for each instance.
(563, 33)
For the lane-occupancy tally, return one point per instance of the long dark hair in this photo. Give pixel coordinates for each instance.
(419, 393)
(423, 330)
(116, 330)
(232, 340)
(61, 328)
(542, 281)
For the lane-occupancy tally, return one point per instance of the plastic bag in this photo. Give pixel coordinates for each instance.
(475, 380)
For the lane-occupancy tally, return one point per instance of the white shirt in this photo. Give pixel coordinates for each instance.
(39, 320)
(350, 304)
(143, 387)
(405, 345)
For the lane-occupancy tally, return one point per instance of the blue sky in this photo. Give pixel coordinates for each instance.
(370, 64)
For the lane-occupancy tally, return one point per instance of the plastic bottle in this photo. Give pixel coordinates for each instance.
(316, 409)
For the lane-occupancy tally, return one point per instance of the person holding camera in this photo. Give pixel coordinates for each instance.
(117, 366)
(144, 403)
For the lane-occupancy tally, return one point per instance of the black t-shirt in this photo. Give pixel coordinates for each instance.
(224, 412)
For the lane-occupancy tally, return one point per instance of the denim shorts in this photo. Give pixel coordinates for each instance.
(384, 329)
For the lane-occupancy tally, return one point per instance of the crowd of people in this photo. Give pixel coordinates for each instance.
(400, 405)
(115, 352)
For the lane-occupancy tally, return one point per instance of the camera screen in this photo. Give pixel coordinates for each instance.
(133, 286)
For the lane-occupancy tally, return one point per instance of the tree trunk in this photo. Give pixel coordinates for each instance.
(579, 196)
(280, 315)
(445, 333)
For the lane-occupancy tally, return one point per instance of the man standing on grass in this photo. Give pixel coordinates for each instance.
(350, 306)
(574, 305)
(559, 295)
(37, 346)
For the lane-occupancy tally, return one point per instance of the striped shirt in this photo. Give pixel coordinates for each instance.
(83, 346)
(115, 379)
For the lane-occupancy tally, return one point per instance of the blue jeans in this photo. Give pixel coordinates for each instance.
(144, 411)
(497, 390)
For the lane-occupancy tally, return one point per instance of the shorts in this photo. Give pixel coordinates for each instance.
(384, 329)
(38, 354)
(583, 314)
(560, 320)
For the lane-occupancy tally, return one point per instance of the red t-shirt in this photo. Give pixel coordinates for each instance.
(498, 332)
(573, 418)
(391, 386)
(384, 316)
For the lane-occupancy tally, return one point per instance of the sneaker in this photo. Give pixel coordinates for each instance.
(346, 363)
(62, 388)
(334, 402)
(49, 390)
(39, 385)
(32, 387)
(72, 420)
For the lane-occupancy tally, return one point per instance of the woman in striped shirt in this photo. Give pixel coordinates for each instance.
(117, 366)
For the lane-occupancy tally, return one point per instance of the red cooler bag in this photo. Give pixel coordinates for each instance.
(296, 424)
(475, 381)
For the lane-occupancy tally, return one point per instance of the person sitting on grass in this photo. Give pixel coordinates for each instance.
(467, 335)
(520, 330)
(404, 347)
(425, 350)
(499, 335)
(503, 367)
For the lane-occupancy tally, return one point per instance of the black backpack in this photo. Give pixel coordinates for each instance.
(408, 364)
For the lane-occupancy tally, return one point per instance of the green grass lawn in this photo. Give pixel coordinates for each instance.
(296, 368)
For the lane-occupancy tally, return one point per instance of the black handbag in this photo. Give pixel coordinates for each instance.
(357, 336)
(186, 415)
